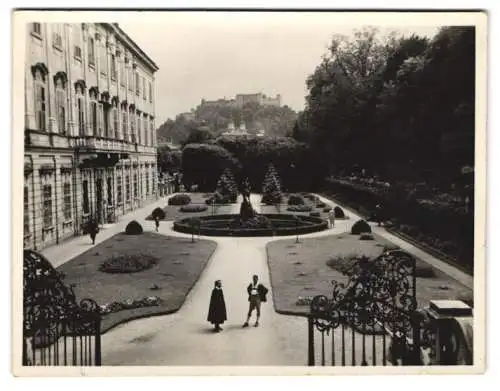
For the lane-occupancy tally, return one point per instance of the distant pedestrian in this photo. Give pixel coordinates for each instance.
(93, 229)
(331, 218)
(157, 223)
(256, 295)
(217, 314)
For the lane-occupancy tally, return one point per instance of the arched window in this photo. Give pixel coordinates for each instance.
(40, 89)
(116, 122)
(80, 105)
(139, 129)
(60, 84)
(94, 112)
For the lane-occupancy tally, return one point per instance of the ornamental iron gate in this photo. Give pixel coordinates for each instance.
(56, 329)
(373, 318)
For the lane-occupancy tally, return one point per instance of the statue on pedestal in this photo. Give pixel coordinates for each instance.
(246, 210)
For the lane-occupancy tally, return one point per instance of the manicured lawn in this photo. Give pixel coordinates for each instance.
(173, 211)
(180, 264)
(306, 269)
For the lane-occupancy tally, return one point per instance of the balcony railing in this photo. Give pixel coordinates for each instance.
(104, 144)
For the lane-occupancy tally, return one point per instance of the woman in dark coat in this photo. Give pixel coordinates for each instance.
(217, 310)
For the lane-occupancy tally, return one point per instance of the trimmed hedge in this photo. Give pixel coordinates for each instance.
(320, 205)
(315, 214)
(339, 212)
(299, 208)
(158, 212)
(295, 199)
(193, 208)
(281, 225)
(327, 209)
(179, 199)
(366, 236)
(134, 228)
(360, 227)
(434, 223)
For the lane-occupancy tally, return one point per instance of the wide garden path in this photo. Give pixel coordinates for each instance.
(186, 338)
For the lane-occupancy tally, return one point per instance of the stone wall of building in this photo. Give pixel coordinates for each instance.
(89, 120)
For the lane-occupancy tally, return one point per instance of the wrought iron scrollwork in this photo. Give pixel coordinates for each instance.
(50, 308)
(379, 295)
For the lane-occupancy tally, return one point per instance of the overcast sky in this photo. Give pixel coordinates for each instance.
(215, 55)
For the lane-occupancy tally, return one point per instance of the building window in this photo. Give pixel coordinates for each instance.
(103, 65)
(81, 115)
(101, 124)
(147, 182)
(139, 129)
(47, 206)
(125, 125)
(143, 88)
(67, 201)
(122, 72)
(132, 127)
(61, 105)
(93, 117)
(91, 50)
(137, 83)
(113, 67)
(78, 52)
(150, 92)
(26, 211)
(152, 133)
(57, 40)
(119, 194)
(86, 204)
(130, 79)
(116, 123)
(36, 29)
(40, 101)
(127, 188)
(136, 187)
(110, 191)
(146, 133)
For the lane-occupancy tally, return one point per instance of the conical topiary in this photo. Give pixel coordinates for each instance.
(271, 187)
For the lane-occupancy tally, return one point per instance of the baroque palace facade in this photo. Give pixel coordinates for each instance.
(90, 142)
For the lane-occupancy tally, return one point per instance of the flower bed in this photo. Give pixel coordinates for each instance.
(116, 306)
(128, 263)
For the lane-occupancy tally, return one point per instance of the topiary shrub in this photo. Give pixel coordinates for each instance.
(366, 236)
(295, 199)
(128, 263)
(320, 205)
(339, 212)
(327, 209)
(299, 208)
(193, 208)
(133, 228)
(158, 213)
(271, 187)
(360, 226)
(179, 199)
(314, 214)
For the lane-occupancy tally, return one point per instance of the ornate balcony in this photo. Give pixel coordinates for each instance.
(98, 144)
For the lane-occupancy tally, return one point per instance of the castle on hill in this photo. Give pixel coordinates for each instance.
(241, 99)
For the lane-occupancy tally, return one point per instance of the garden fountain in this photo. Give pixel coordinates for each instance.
(250, 223)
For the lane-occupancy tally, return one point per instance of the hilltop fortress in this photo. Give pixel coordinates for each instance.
(241, 99)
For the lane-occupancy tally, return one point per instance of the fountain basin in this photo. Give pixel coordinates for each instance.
(223, 225)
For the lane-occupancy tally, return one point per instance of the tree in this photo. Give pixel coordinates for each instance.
(202, 164)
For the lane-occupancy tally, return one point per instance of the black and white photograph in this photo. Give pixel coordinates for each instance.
(260, 192)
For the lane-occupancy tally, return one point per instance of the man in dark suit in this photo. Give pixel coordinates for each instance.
(256, 295)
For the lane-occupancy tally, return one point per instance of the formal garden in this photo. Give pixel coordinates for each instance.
(137, 274)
